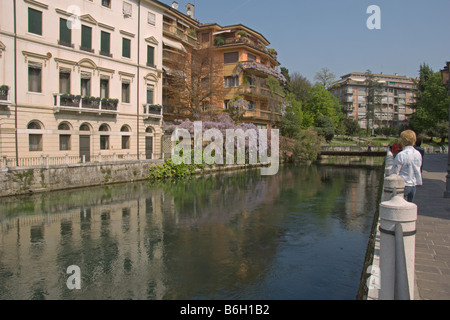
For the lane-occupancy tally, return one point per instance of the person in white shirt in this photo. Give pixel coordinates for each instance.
(407, 164)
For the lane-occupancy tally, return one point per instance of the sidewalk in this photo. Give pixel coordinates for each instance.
(433, 232)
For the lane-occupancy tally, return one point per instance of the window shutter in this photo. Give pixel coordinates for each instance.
(150, 56)
(65, 33)
(126, 44)
(105, 42)
(86, 37)
(34, 21)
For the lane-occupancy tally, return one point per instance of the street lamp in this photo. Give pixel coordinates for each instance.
(445, 74)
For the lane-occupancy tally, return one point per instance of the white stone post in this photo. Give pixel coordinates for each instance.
(397, 210)
(394, 185)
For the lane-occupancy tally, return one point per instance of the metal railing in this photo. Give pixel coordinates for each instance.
(45, 161)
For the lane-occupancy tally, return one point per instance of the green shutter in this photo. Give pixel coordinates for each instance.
(86, 37)
(150, 56)
(65, 33)
(126, 44)
(105, 43)
(34, 21)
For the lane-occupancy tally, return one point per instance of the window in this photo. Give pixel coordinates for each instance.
(105, 44)
(150, 93)
(34, 21)
(65, 32)
(151, 18)
(34, 140)
(104, 139)
(126, 92)
(126, 45)
(231, 81)
(64, 80)
(150, 56)
(34, 78)
(64, 139)
(86, 38)
(205, 37)
(104, 88)
(106, 3)
(230, 57)
(251, 57)
(125, 138)
(85, 84)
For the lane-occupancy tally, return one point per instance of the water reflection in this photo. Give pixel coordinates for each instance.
(300, 234)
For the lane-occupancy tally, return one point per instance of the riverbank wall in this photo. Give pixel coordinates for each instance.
(28, 180)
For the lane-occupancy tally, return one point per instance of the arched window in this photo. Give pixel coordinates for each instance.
(104, 138)
(125, 137)
(34, 139)
(64, 138)
(85, 127)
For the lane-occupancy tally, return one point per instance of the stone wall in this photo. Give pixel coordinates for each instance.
(29, 180)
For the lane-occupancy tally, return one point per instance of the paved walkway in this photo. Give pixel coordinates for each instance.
(433, 232)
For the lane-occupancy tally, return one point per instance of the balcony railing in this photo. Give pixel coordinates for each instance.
(70, 102)
(179, 33)
(249, 42)
(261, 68)
(153, 111)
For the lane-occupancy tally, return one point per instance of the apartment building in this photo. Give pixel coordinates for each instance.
(392, 107)
(81, 78)
(224, 63)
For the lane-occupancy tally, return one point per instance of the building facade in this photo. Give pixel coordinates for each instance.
(207, 66)
(88, 79)
(392, 105)
(82, 78)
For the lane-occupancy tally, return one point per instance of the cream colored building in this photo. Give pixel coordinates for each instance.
(81, 78)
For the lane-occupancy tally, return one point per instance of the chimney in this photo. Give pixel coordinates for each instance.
(175, 5)
(190, 10)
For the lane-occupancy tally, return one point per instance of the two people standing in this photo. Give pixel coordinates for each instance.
(408, 163)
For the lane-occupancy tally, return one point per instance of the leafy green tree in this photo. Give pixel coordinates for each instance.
(432, 102)
(351, 126)
(325, 127)
(322, 103)
(374, 97)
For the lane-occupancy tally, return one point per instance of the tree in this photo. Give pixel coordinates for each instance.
(351, 126)
(299, 86)
(194, 79)
(431, 103)
(325, 127)
(322, 103)
(325, 77)
(374, 97)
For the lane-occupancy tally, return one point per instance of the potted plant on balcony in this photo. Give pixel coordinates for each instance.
(109, 104)
(69, 100)
(4, 92)
(219, 41)
(91, 102)
(242, 33)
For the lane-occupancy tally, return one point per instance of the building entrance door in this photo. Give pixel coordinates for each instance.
(148, 147)
(85, 147)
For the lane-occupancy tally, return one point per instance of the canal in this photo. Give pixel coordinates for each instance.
(300, 234)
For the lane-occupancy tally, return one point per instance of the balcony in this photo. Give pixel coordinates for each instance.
(4, 96)
(261, 69)
(242, 40)
(152, 111)
(180, 33)
(76, 103)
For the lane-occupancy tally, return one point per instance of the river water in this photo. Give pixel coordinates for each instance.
(301, 234)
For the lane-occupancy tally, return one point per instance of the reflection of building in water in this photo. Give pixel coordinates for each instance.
(111, 242)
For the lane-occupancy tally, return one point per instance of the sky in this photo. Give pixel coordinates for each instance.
(313, 34)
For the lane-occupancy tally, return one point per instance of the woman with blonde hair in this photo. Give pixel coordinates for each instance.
(407, 164)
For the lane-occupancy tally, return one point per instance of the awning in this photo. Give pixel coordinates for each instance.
(173, 44)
